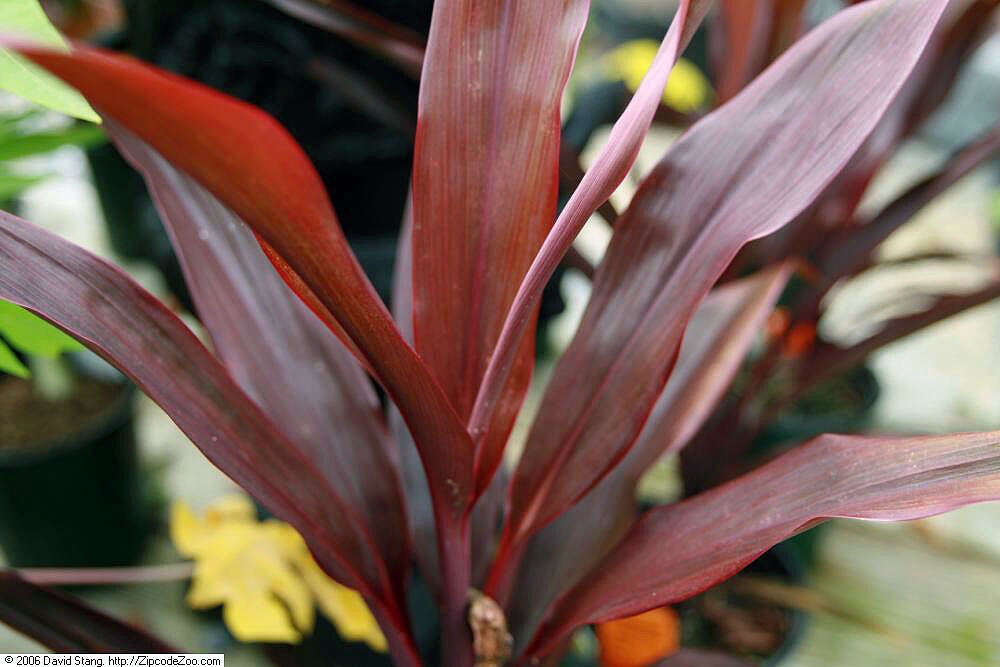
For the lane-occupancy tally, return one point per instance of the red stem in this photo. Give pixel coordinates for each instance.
(92, 576)
(500, 580)
(395, 628)
(454, 549)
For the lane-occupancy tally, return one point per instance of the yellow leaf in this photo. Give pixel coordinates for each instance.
(687, 88)
(188, 531)
(345, 608)
(264, 575)
(259, 618)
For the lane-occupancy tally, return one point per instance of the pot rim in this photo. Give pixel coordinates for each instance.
(118, 413)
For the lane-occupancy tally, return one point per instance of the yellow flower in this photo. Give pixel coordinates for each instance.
(264, 576)
(687, 88)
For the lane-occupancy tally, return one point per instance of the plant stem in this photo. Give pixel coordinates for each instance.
(401, 647)
(456, 577)
(500, 579)
(52, 576)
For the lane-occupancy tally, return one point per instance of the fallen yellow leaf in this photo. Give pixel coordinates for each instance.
(264, 576)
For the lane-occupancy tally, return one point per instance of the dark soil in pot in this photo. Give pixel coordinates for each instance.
(70, 492)
(726, 618)
(842, 404)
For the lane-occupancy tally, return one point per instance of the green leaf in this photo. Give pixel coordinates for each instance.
(9, 363)
(12, 184)
(25, 18)
(33, 335)
(84, 136)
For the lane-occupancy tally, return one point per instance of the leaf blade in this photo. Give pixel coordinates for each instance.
(252, 165)
(26, 19)
(874, 478)
(485, 182)
(714, 345)
(117, 319)
(33, 335)
(597, 185)
(280, 354)
(65, 624)
(747, 169)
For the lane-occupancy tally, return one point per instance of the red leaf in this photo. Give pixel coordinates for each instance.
(65, 624)
(600, 181)
(714, 346)
(714, 535)
(279, 353)
(99, 305)
(749, 35)
(251, 164)
(852, 248)
(362, 27)
(485, 182)
(488, 511)
(744, 26)
(828, 359)
(739, 174)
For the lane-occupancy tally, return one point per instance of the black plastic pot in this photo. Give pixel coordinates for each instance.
(843, 404)
(781, 563)
(78, 501)
(265, 57)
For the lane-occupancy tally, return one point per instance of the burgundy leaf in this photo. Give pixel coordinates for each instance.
(827, 359)
(251, 164)
(368, 29)
(420, 508)
(485, 182)
(600, 181)
(279, 353)
(970, 24)
(714, 535)
(929, 84)
(100, 306)
(67, 625)
(740, 173)
(852, 248)
(488, 511)
(714, 345)
(741, 37)
(752, 34)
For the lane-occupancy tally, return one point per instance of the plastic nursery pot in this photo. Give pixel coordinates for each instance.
(842, 404)
(324, 647)
(726, 619)
(72, 498)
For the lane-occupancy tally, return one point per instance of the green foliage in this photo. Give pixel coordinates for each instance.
(12, 184)
(31, 335)
(19, 138)
(25, 19)
(9, 363)
(14, 146)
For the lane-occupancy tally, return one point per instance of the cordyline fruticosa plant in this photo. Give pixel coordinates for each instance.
(284, 404)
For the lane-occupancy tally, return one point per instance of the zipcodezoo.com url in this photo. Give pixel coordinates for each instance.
(114, 660)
